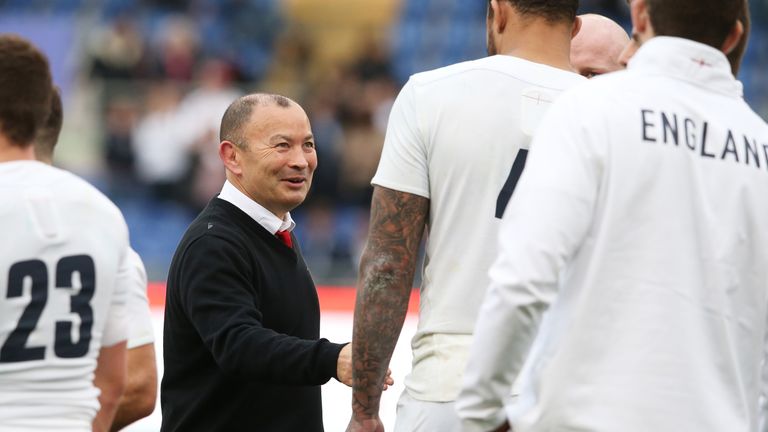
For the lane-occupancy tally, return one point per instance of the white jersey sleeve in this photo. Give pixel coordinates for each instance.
(140, 331)
(762, 403)
(116, 325)
(403, 165)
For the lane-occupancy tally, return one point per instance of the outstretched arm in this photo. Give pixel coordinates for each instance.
(109, 378)
(384, 287)
(138, 401)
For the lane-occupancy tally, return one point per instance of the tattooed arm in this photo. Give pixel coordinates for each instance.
(384, 288)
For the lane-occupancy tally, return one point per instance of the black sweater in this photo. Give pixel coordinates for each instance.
(242, 321)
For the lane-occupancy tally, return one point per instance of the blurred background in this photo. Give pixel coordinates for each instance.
(145, 83)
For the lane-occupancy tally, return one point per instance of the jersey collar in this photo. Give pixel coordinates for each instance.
(687, 60)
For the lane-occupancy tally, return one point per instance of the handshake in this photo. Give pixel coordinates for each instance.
(344, 368)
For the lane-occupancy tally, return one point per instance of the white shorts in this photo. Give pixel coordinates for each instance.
(422, 416)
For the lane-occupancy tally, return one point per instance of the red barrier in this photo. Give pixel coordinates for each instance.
(332, 298)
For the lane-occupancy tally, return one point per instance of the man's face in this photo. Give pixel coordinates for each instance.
(595, 50)
(280, 157)
(592, 62)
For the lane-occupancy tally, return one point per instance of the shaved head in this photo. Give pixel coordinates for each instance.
(595, 50)
(238, 114)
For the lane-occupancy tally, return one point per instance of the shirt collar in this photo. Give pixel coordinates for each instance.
(689, 61)
(256, 211)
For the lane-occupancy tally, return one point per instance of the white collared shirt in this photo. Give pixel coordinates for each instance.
(256, 211)
(649, 189)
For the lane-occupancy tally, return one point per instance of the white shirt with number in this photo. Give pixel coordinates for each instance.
(649, 189)
(63, 273)
(453, 137)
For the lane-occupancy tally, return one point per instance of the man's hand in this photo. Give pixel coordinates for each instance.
(365, 425)
(344, 369)
(388, 380)
(344, 365)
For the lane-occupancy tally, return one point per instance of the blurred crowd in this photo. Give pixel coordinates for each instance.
(162, 72)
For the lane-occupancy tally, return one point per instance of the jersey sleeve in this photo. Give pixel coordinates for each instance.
(403, 165)
(140, 331)
(116, 327)
(547, 220)
(762, 401)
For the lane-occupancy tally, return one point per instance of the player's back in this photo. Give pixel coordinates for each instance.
(468, 123)
(63, 245)
(664, 306)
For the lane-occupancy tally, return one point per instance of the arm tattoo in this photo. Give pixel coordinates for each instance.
(384, 287)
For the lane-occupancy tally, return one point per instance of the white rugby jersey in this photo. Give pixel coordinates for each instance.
(453, 137)
(63, 273)
(649, 188)
(140, 330)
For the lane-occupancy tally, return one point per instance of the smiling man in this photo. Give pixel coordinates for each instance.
(242, 318)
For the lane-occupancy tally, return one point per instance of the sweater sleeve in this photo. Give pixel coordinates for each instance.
(218, 299)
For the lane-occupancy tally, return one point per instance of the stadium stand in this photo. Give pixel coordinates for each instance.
(344, 59)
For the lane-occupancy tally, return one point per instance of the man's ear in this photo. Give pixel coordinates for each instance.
(641, 20)
(499, 17)
(576, 27)
(229, 154)
(734, 37)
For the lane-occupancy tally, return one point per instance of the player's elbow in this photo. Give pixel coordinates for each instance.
(145, 399)
(142, 388)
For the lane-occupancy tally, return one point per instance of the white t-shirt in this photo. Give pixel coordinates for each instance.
(453, 136)
(63, 276)
(140, 331)
(649, 187)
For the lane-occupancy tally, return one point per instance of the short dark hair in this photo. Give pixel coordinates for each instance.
(735, 56)
(705, 21)
(25, 89)
(239, 112)
(551, 10)
(48, 135)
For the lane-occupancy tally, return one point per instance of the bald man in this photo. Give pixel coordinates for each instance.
(595, 50)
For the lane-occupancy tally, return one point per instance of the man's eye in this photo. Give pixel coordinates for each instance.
(282, 145)
(309, 144)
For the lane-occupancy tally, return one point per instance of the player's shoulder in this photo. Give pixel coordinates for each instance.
(624, 80)
(72, 187)
(73, 192)
(451, 71)
(499, 67)
(61, 184)
(594, 91)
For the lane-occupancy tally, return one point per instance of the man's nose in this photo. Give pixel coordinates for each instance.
(298, 158)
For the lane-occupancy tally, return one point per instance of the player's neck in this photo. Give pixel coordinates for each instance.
(539, 42)
(10, 152)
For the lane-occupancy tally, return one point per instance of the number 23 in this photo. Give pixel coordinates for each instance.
(15, 348)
